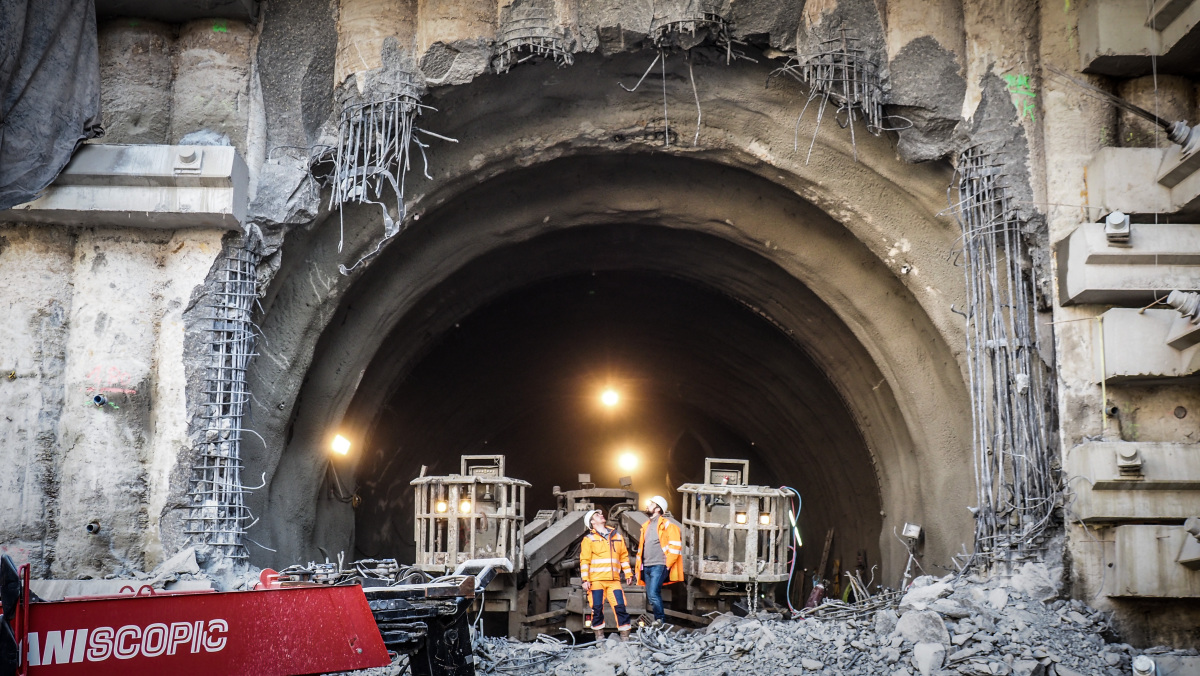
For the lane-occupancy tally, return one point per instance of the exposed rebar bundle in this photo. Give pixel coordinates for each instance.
(1018, 489)
(687, 26)
(215, 493)
(841, 74)
(374, 150)
(682, 26)
(528, 31)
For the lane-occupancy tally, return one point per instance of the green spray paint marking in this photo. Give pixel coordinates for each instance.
(221, 27)
(1018, 86)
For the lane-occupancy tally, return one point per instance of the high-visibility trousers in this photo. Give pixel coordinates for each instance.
(611, 590)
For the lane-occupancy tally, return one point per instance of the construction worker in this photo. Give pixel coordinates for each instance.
(604, 565)
(659, 559)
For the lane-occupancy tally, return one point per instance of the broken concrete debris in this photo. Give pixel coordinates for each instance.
(945, 627)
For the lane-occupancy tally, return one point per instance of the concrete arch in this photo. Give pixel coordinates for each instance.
(848, 258)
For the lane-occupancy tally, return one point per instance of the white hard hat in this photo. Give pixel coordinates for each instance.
(661, 502)
(587, 518)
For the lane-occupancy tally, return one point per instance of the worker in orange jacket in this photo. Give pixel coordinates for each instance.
(659, 557)
(604, 565)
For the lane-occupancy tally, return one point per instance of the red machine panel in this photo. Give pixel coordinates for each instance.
(267, 632)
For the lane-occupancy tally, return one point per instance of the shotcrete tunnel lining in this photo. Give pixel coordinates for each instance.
(520, 375)
(784, 259)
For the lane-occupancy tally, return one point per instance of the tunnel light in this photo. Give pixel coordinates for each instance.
(341, 445)
(628, 461)
(464, 506)
(741, 517)
(610, 397)
(764, 519)
(441, 506)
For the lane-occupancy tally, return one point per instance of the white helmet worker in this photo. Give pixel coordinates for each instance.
(587, 518)
(660, 501)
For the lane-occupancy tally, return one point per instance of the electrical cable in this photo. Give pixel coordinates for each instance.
(796, 542)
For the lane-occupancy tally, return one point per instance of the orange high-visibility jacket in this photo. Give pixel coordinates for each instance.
(603, 558)
(672, 545)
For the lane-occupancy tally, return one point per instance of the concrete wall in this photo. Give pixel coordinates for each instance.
(89, 312)
(160, 82)
(1076, 127)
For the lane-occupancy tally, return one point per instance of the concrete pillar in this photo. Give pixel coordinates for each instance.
(117, 459)
(941, 20)
(363, 25)
(454, 39)
(450, 21)
(1173, 99)
(926, 48)
(212, 80)
(135, 80)
(35, 269)
(539, 21)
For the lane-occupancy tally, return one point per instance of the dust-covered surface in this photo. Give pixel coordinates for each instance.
(941, 627)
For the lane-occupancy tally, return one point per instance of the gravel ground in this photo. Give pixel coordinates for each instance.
(940, 628)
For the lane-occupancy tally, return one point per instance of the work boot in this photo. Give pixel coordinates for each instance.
(657, 623)
(624, 634)
(599, 635)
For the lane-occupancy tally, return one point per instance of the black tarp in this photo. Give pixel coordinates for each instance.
(49, 91)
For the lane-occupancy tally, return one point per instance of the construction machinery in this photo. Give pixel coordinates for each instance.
(477, 515)
(735, 539)
(553, 599)
(303, 620)
(476, 555)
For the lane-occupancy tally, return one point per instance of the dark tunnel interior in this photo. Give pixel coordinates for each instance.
(699, 375)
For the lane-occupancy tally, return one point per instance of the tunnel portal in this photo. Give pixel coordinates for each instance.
(699, 375)
(735, 319)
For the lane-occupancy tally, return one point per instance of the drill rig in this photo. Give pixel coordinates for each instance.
(735, 536)
(735, 539)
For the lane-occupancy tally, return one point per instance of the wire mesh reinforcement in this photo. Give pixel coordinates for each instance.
(218, 513)
(839, 74)
(1018, 488)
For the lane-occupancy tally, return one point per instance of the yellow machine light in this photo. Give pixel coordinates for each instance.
(764, 519)
(441, 506)
(341, 445)
(464, 506)
(628, 461)
(741, 517)
(610, 397)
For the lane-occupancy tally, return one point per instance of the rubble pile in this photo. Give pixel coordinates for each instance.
(941, 627)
